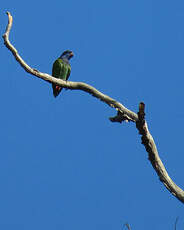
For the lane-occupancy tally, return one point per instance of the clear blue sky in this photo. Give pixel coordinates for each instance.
(63, 165)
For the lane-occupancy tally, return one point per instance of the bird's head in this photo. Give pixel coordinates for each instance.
(67, 54)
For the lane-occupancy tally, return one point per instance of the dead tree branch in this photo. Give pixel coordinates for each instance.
(123, 114)
(153, 156)
(129, 115)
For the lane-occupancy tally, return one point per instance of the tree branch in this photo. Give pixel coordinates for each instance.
(153, 156)
(123, 114)
(131, 116)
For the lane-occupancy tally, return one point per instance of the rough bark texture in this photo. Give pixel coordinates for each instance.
(123, 114)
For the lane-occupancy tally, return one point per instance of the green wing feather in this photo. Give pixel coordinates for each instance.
(62, 71)
(68, 73)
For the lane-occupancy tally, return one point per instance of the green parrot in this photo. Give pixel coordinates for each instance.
(61, 69)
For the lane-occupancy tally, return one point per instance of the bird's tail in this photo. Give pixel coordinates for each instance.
(56, 90)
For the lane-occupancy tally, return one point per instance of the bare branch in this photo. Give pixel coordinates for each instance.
(65, 84)
(149, 144)
(123, 114)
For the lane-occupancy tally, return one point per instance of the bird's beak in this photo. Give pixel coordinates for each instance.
(71, 54)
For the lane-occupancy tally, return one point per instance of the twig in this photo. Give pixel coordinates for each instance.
(127, 225)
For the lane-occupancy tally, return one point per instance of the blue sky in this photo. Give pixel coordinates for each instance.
(63, 165)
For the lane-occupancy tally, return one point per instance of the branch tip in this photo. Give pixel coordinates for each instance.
(9, 16)
(141, 113)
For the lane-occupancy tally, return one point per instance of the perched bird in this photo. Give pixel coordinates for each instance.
(61, 69)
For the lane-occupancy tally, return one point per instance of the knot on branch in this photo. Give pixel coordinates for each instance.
(120, 117)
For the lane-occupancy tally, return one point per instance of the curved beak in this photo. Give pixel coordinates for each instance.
(71, 54)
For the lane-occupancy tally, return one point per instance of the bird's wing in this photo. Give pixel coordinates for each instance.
(69, 71)
(57, 69)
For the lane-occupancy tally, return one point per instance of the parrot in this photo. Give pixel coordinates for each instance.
(61, 69)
